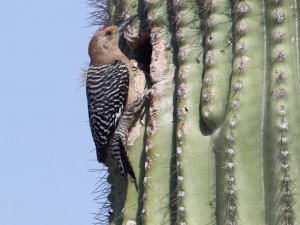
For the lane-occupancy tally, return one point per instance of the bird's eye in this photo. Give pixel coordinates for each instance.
(108, 33)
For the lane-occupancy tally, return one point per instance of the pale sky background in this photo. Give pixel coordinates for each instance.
(45, 141)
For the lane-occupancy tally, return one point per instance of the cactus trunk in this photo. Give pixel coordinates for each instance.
(220, 137)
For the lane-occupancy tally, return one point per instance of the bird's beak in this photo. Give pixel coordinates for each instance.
(126, 22)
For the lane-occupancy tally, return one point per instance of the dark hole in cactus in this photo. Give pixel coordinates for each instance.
(143, 55)
(140, 49)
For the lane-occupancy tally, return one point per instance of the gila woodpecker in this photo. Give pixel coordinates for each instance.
(113, 104)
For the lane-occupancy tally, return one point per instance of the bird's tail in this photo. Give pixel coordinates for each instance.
(120, 154)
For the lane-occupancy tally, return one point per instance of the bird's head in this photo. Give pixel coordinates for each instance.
(104, 45)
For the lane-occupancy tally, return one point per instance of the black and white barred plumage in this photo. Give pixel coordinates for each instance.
(107, 90)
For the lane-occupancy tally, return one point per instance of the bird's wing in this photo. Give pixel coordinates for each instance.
(107, 90)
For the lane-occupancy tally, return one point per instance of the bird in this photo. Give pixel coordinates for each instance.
(113, 103)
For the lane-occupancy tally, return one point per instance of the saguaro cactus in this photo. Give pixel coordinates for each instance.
(219, 142)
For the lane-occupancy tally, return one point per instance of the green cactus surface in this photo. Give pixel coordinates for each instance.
(218, 141)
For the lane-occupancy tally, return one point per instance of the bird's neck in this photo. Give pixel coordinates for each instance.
(108, 57)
